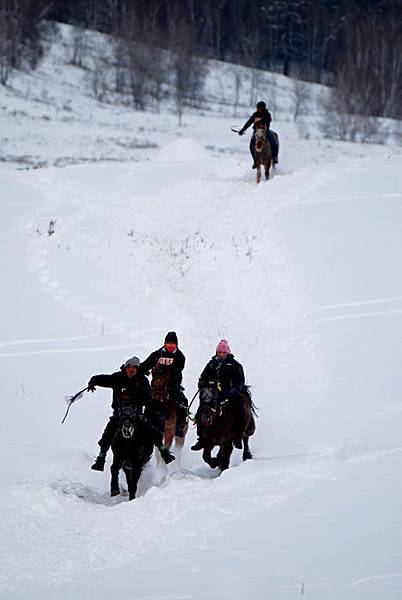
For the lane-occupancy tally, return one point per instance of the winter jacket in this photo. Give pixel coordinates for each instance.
(135, 389)
(228, 373)
(162, 360)
(263, 116)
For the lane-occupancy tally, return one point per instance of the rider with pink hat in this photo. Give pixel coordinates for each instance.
(227, 375)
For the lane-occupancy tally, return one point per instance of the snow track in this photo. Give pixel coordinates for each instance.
(193, 246)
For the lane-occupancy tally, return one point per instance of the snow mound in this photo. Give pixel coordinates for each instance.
(184, 149)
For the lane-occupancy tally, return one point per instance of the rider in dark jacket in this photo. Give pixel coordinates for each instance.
(130, 385)
(225, 374)
(223, 371)
(261, 116)
(169, 359)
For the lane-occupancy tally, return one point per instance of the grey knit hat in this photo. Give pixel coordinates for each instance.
(132, 362)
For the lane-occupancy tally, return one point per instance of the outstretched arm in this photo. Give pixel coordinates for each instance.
(247, 124)
(106, 381)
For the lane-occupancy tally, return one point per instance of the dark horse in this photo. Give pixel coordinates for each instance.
(263, 150)
(132, 448)
(160, 392)
(216, 420)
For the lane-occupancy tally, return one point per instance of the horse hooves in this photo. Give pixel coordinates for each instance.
(247, 455)
(114, 492)
(131, 497)
(213, 463)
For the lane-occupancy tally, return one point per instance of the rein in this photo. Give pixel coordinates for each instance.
(189, 406)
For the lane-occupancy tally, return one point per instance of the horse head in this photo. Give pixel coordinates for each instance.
(260, 136)
(128, 418)
(208, 409)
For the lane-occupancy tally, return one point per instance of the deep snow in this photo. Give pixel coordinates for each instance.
(299, 273)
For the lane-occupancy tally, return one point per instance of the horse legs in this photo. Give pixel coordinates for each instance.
(206, 455)
(170, 429)
(246, 449)
(250, 430)
(267, 166)
(258, 172)
(179, 440)
(114, 481)
(224, 455)
(132, 477)
(168, 438)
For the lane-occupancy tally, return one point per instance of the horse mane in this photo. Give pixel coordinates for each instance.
(159, 381)
(253, 407)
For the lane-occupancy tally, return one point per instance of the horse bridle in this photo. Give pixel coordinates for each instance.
(209, 400)
(127, 416)
(260, 136)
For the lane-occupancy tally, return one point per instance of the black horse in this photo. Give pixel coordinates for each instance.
(217, 425)
(132, 447)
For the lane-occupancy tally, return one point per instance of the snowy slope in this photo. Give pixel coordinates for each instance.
(300, 274)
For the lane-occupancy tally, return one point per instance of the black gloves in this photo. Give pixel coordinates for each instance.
(91, 385)
(166, 455)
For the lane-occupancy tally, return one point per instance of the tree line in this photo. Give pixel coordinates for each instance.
(353, 45)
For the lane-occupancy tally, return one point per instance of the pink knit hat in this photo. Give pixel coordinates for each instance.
(223, 346)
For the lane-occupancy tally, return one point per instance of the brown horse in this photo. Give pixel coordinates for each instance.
(160, 392)
(216, 421)
(262, 151)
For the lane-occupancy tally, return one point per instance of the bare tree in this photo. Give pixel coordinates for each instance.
(139, 58)
(78, 50)
(189, 70)
(237, 82)
(368, 76)
(273, 96)
(300, 97)
(21, 34)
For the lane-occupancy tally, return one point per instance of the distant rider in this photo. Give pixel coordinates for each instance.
(226, 375)
(130, 385)
(261, 116)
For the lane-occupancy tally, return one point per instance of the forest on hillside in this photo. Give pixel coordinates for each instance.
(355, 46)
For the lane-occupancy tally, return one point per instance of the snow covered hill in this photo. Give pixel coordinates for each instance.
(299, 273)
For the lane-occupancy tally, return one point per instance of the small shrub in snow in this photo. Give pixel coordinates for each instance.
(243, 243)
(51, 226)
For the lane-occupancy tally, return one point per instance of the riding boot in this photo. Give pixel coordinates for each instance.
(99, 463)
(167, 456)
(254, 166)
(198, 445)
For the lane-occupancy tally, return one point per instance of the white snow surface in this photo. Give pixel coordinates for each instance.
(301, 274)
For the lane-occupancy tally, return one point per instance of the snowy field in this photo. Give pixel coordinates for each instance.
(166, 229)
